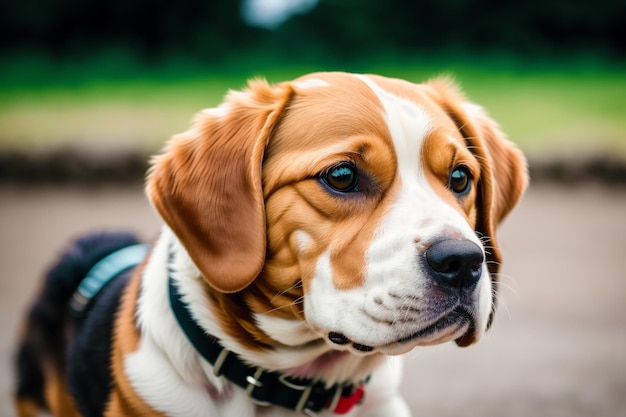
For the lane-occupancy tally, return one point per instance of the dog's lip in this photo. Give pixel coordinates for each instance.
(457, 325)
(458, 318)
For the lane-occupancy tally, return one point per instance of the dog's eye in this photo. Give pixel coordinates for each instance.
(460, 180)
(341, 177)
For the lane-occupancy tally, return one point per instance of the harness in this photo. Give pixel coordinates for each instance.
(103, 272)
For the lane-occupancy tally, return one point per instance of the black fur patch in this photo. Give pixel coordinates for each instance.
(89, 356)
(50, 327)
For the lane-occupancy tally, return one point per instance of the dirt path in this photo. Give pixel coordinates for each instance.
(557, 348)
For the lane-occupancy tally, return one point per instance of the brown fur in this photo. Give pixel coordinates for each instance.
(26, 407)
(210, 176)
(56, 392)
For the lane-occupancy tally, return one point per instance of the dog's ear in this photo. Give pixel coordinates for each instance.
(207, 185)
(504, 175)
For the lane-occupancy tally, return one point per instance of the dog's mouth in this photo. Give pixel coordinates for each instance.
(458, 325)
(458, 322)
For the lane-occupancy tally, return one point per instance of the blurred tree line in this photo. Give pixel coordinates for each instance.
(214, 29)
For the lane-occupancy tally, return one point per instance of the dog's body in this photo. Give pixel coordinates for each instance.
(313, 228)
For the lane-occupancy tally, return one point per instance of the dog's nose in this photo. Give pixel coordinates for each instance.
(455, 263)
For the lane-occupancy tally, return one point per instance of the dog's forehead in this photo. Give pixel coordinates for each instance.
(401, 104)
(346, 93)
(331, 115)
(330, 110)
(381, 123)
(364, 86)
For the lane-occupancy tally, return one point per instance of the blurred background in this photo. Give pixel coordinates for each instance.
(128, 74)
(88, 90)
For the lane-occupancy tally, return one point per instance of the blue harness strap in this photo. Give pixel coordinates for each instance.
(104, 271)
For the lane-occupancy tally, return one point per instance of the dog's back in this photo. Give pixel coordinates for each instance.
(50, 328)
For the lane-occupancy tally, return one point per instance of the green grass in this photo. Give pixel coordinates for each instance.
(114, 102)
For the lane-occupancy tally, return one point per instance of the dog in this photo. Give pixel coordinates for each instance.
(314, 230)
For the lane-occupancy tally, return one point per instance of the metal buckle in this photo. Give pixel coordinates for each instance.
(306, 392)
(253, 382)
(78, 302)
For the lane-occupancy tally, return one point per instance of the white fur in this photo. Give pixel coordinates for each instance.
(220, 111)
(311, 83)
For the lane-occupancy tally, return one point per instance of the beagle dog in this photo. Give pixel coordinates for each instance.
(313, 231)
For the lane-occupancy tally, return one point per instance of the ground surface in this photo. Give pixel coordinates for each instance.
(558, 345)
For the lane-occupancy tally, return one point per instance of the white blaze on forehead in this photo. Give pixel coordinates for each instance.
(418, 214)
(311, 83)
(408, 125)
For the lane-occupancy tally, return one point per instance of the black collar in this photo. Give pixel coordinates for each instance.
(264, 387)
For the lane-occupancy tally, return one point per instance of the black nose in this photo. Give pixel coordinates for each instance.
(455, 263)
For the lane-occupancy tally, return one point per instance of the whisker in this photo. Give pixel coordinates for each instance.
(508, 282)
(470, 147)
(502, 302)
(296, 302)
(510, 288)
(298, 284)
(461, 127)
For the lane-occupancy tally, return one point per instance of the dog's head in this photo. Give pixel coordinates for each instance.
(362, 206)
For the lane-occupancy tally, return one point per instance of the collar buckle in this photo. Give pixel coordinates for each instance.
(254, 381)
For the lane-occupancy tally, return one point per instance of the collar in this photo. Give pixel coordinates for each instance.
(264, 387)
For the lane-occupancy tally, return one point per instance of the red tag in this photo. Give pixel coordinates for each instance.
(345, 404)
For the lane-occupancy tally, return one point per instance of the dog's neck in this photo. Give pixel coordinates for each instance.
(286, 345)
(165, 350)
(263, 386)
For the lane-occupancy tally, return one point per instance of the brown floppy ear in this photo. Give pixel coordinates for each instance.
(509, 174)
(207, 185)
(504, 175)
